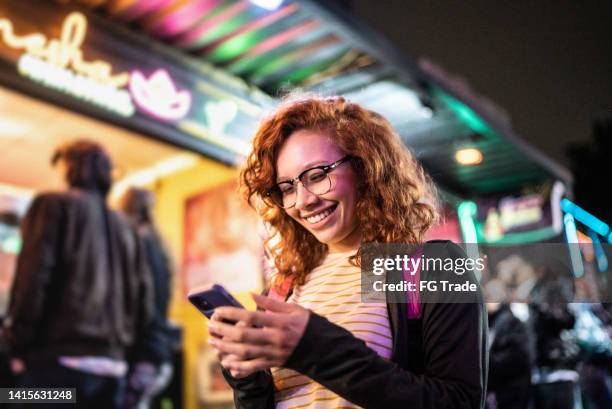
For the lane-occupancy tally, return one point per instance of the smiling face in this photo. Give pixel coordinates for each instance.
(331, 217)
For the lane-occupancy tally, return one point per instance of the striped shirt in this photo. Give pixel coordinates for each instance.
(333, 290)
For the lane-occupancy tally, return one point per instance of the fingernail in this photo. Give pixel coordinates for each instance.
(211, 341)
(212, 325)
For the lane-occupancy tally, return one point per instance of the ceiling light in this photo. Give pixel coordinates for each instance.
(268, 4)
(468, 156)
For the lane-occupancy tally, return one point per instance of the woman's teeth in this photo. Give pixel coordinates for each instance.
(320, 216)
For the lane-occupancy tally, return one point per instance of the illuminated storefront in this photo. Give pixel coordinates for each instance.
(170, 125)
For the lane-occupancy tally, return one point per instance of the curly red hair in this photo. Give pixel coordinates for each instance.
(397, 200)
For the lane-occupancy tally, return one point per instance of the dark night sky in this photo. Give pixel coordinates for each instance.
(548, 63)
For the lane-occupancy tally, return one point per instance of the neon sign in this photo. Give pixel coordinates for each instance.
(65, 52)
(59, 64)
(158, 95)
(104, 96)
(219, 115)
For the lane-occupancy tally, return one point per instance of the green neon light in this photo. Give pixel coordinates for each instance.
(465, 113)
(12, 245)
(273, 66)
(248, 64)
(223, 29)
(306, 72)
(295, 76)
(523, 237)
(235, 46)
(466, 212)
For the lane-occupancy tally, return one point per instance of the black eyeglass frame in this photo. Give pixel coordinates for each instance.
(325, 168)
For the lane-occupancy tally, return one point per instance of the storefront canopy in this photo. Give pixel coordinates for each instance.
(278, 45)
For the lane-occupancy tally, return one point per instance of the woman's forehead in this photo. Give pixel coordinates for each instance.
(306, 148)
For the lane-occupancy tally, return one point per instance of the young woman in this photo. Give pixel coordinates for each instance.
(332, 175)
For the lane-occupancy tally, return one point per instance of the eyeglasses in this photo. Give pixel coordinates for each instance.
(316, 180)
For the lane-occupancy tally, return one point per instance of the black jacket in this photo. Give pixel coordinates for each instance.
(81, 285)
(156, 342)
(511, 359)
(444, 367)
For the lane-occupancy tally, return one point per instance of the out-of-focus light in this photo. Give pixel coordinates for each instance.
(64, 52)
(9, 127)
(395, 102)
(11, 245)
(219, 115)
(427, 112)
(268, 4)
(600, 254)
(574, 249)
(555, 203)
(466, 212)
(20, 192)
(585, 217)
(103, 95)
(468, 156)
(148, 176)
(158, 96)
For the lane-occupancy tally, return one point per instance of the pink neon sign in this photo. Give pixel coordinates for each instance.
(158, 96)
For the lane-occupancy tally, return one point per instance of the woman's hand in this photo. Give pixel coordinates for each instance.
(260, 339)
(222, 356)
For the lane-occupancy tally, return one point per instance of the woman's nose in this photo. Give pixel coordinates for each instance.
(304, 198)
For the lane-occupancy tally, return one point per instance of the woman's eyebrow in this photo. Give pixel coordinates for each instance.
(309, 165)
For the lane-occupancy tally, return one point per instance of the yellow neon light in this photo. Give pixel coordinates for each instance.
(65, 52)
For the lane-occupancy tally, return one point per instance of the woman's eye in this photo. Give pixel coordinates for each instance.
(316, 177)
(287, 189)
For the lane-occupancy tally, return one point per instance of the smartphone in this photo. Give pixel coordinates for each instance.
(207, 298)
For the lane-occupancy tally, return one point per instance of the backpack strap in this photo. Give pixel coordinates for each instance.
(414, 341)
(413, 298)
(281, 290)
(414, 322)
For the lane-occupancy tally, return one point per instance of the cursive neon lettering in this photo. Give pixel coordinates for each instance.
(65, 52)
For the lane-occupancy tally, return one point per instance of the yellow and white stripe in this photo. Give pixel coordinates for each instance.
(333, 290)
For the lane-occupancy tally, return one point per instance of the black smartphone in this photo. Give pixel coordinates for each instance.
(207, 298)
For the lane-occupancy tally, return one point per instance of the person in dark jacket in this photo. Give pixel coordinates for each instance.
(510, 360)
(82, 293)
(151, 367)
(327, 176)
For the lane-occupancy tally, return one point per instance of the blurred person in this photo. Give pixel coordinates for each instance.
(510, 359)
(592, 334)
(518, 276)
(556, 381)
(151, 367)
(328, 175)
(9, 228)
(549, 306)
(82, 294)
